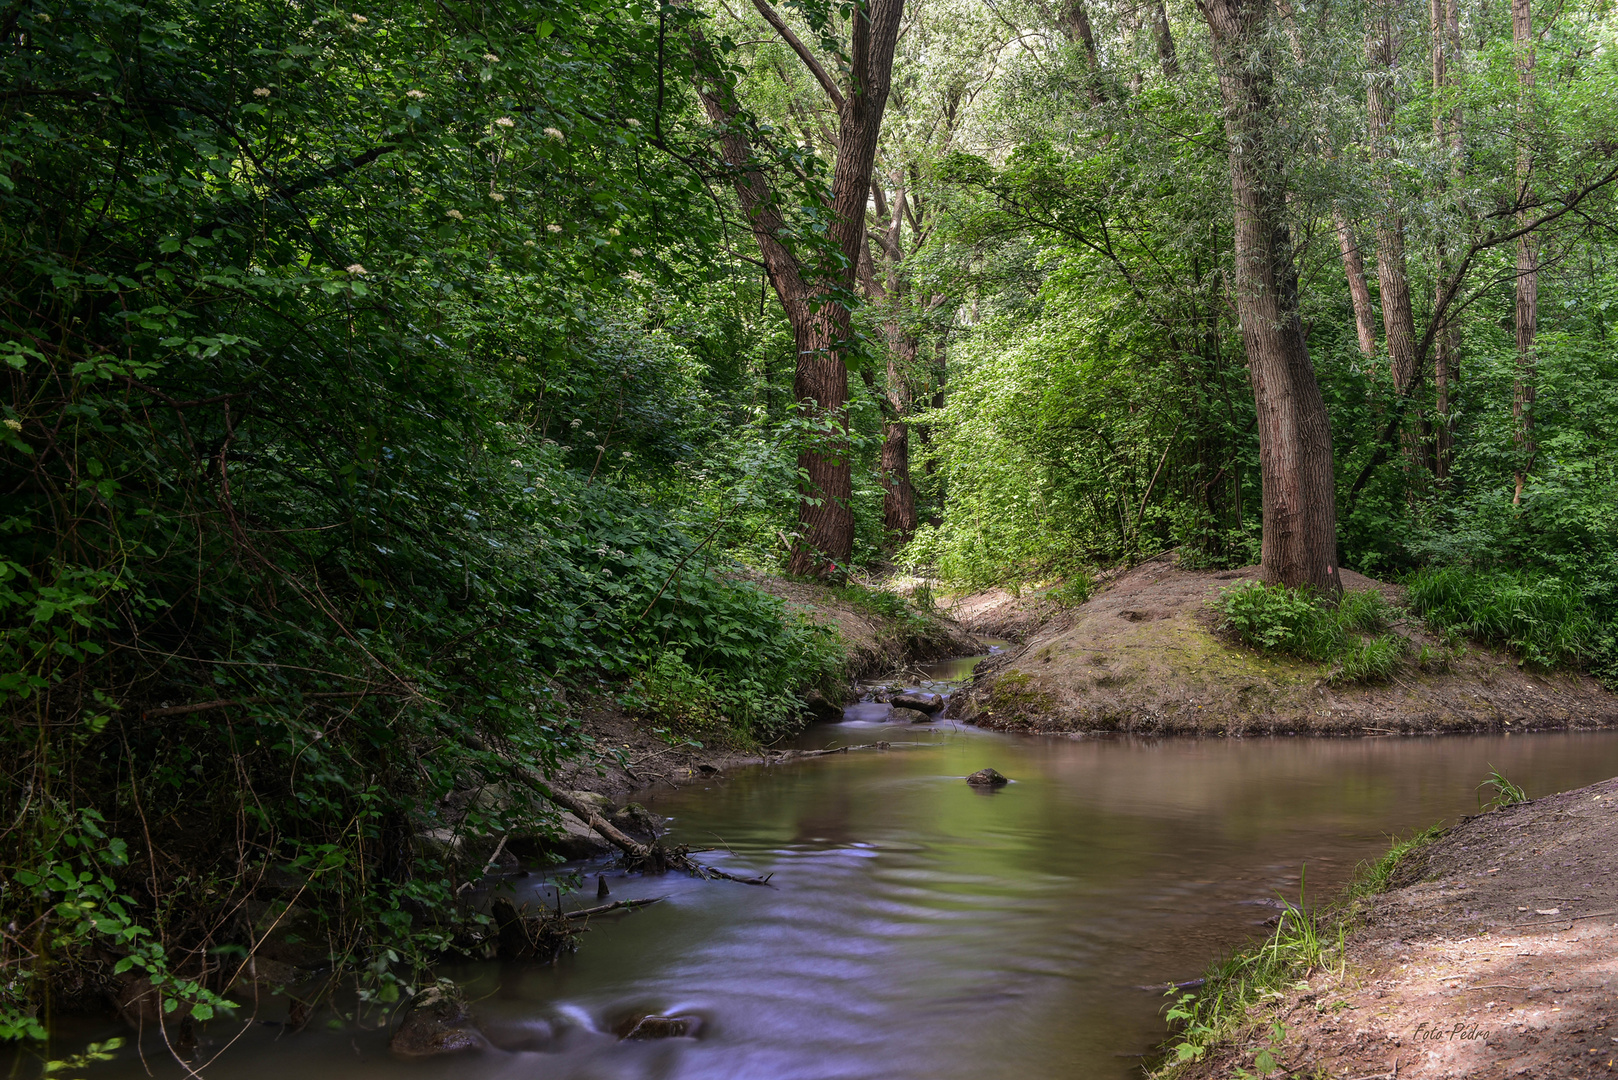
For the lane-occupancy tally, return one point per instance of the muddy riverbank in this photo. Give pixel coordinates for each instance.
(1497, 956)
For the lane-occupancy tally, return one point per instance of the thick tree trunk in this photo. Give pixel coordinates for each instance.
(1522, 398)
(1299, 544)
(820, 323)
(1398, 314)
(1354, 270)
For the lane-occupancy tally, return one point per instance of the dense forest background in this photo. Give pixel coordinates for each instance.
(376, 376)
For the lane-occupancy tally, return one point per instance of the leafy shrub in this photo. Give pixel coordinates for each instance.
(1300, 623)
(1275, 618)
(1540, 617)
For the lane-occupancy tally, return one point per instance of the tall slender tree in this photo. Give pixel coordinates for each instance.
(1527, 312)
(816, 294)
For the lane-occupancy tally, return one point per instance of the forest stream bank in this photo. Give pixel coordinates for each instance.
(1145, 655)
(1492, 957)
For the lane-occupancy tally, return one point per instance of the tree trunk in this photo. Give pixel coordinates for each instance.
(1299, 544)
(1354, 270)
(1165, 42)
(1522, 398)
(1076, 25)
(1446, 33)
(820, 322)
(1398, 315)
(898, 493)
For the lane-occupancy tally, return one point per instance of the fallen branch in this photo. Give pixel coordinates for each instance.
(616, 905)
(653, 857)
(794, 755)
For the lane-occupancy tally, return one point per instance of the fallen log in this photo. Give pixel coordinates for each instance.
(794, 755)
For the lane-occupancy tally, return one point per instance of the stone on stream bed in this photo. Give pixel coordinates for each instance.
(909, 716)
(436, 1022)
(918, 700)
(659, 1027)
(986, 778)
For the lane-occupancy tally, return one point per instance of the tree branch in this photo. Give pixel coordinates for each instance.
(821, 75)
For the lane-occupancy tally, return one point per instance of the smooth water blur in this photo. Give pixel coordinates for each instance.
(919, 928)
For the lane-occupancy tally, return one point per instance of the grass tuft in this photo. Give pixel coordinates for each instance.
(1298, 622)
(1505, 792)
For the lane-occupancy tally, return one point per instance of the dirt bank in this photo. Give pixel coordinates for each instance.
(626, 757)
(1144, 656)
(1499, 958)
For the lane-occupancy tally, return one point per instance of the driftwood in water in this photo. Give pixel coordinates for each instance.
(616, 905)
(794, 755)
(653, 857)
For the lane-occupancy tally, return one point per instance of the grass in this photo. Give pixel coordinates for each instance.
(1351, 633)
(1505, 792)
(1303, 942)
(1541, 618)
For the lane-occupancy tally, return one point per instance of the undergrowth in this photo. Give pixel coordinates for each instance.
(1353, 633)
(1543, 619)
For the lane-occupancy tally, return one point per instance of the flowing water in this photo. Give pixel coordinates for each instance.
(920, 928)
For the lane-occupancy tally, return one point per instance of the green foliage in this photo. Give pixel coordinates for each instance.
(1375, 878)
(1077, 587)
(1249, 976)
(1543, 619)
(1297, 622)
(1505, 792)
(350, 407)
(1275, 618)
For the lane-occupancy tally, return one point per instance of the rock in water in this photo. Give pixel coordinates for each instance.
(909, 716)
(986, 778)
(436, 1022)
(916, 699)
(661, 1027)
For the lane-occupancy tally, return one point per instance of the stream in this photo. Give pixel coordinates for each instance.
(920, 928)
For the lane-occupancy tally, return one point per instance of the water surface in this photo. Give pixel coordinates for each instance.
(919, 928)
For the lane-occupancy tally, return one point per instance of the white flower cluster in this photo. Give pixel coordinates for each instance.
(261, 91)
(416, 94)
(356, 268)
(505, 122)
(496, 196)
(457, 215)
(552, 133)
(553, 228)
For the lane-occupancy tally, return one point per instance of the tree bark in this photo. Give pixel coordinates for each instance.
(1165, 42)
(816, 302)
(1398, 314)
(1527, 314)
(1299, 545)
(1446, 42)
(1354, 270)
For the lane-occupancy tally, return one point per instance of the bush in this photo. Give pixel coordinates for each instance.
(1298, 622)
(1540, 617)
(1275, 618)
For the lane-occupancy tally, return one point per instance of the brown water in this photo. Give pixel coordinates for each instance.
(921, 929)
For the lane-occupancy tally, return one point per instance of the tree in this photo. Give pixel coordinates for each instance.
(817, 292)
(1294, 431)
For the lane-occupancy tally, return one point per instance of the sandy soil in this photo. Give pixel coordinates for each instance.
(1499, 959)
(1144, 655)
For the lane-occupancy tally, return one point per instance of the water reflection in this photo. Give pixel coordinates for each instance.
(921, 930)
